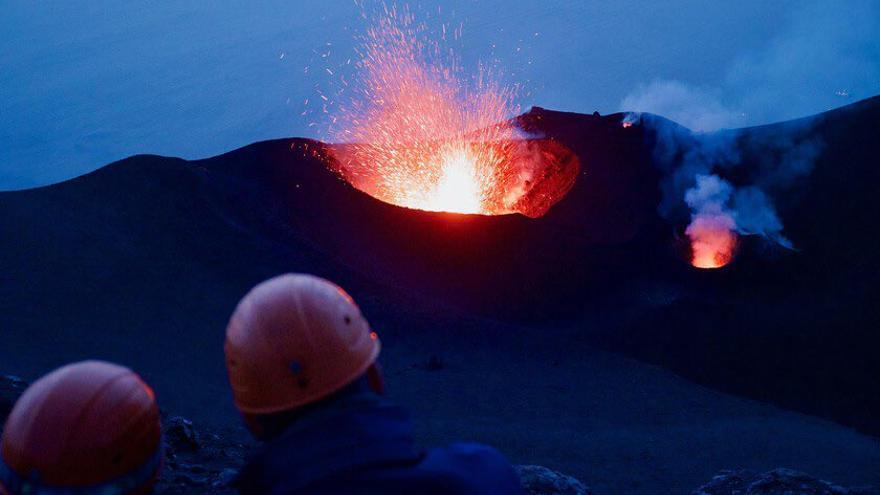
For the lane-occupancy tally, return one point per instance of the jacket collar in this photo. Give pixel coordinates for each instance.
(364, 430)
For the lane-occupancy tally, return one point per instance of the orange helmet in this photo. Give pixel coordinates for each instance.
(293, 340)
(89, 427)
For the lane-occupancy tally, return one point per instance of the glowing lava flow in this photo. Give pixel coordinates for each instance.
(422, 135)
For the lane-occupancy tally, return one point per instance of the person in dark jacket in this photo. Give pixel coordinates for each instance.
(302, 365)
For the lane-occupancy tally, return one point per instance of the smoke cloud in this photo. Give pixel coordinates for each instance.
(718, 210)
(699, 109)
(825, 56)
(712, 223)
(705, 184)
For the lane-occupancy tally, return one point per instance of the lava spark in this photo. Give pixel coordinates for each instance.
(422, 134)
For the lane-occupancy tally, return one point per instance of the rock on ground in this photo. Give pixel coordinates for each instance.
(180, 435)
(777, 482)
(202, 461)
(538, 480)
(11, 387)
(198, 460)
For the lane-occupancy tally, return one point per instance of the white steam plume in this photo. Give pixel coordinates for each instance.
(826, 55)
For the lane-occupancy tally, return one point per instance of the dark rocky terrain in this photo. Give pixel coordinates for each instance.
(204, 461)
(581, 340)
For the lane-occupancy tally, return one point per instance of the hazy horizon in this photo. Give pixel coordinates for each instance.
(83, 85)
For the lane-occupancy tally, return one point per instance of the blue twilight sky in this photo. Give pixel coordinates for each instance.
(86, 83)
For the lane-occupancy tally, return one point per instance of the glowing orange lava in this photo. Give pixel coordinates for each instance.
(713, 241)
(423, 135)
(458, 188)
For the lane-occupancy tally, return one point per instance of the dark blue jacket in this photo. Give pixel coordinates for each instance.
(368, 449)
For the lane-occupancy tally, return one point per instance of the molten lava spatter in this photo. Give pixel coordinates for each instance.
(537, 174)
(458, 188)
(423, 135)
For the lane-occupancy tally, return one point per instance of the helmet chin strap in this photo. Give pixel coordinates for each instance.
(376, 379)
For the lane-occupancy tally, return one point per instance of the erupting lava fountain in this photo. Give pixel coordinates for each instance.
(418, 133)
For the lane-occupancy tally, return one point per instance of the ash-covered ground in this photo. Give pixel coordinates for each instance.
(582, 341)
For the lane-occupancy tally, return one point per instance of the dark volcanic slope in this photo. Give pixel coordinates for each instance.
(143, 260)
(798, 328)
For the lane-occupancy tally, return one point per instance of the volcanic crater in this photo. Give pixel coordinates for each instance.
(143, 260)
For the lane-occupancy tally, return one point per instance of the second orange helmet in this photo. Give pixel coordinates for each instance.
(293, 340)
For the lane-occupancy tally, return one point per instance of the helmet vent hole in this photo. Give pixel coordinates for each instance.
(347, 320)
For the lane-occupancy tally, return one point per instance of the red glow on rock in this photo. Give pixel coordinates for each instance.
(713, 241)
